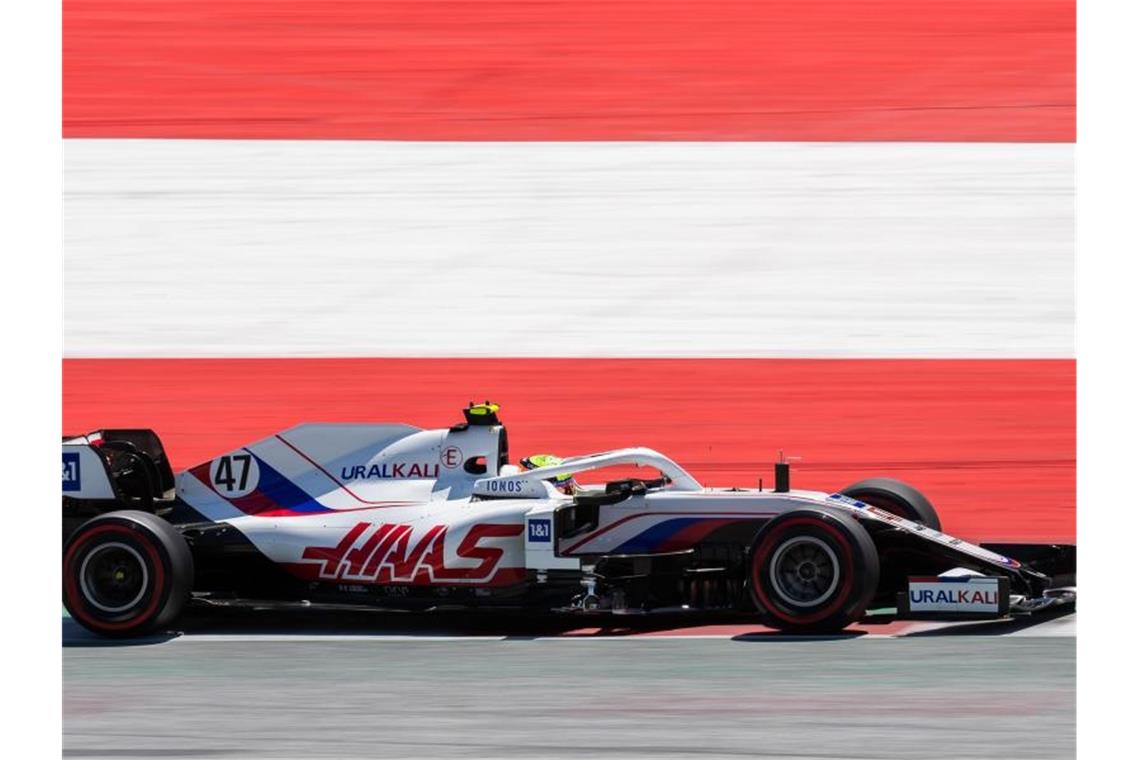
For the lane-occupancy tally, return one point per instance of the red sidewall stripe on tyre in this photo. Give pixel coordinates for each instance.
(841, 594)
(75, 596)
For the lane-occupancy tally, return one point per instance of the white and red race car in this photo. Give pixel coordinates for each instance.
(392, 516)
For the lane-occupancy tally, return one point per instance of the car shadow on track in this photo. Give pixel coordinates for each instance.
(498, 624)
(509, 626)
(233, 621)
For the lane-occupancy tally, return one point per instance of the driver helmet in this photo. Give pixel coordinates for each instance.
(564, 482)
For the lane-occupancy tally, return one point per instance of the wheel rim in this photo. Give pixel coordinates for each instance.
(113, 577)
(804, 571)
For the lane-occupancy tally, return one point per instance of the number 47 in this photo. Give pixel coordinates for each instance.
(224, 477)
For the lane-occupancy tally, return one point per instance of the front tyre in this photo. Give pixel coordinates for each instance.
(126, 573)
(813, 570)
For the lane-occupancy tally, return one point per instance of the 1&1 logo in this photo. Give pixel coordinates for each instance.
(71, 480)
(538, 531)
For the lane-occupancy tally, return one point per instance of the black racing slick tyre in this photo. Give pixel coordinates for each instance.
(813, 570)
(126, 573)
(896, 497)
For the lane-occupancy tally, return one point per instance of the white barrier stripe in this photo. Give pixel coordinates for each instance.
(253, 248)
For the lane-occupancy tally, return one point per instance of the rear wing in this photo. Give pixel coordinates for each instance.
(127, 466)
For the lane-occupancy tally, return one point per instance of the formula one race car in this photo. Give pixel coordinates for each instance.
(396, 517)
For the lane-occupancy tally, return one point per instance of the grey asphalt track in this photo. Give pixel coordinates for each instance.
(936, 697)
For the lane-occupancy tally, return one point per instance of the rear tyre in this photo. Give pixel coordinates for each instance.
(896, 497)
(813, 570)
(126, 573)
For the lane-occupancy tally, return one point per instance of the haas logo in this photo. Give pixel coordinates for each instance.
(387, 553)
